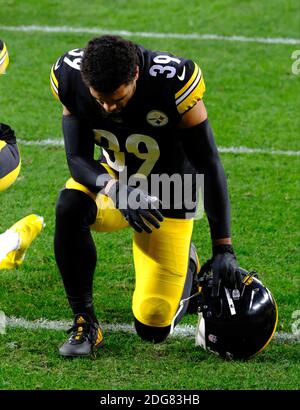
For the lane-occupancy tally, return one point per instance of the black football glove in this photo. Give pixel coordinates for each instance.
(224, 268)
(136, 206)
(7, 134)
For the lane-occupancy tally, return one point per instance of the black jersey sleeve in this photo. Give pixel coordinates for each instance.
(79, 146)
(201, 150)
(65, 77)
(54, 76)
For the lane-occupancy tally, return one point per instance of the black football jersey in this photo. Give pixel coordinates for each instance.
(143, 138)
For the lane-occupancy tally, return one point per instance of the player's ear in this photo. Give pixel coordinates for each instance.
(137, 72)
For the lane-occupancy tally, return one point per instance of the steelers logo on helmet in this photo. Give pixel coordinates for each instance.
(4, 59)
(237, 325)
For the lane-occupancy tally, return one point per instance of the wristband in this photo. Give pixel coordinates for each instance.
(217, 249)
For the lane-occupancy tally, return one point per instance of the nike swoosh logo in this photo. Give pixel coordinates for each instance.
(57, 64)
(181, 77)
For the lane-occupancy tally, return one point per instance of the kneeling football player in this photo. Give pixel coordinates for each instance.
(145, 110)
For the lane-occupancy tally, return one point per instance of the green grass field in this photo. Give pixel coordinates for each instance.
(253, 100)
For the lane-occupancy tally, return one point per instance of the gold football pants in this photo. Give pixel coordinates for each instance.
(160, 260)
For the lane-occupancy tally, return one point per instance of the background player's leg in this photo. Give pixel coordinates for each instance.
(10, 164)
(15, 241)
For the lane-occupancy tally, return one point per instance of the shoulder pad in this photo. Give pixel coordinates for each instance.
(66, 67)
(54, 75)
(182, 78)
(189, 86)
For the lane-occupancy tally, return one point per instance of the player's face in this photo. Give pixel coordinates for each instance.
(116, 101)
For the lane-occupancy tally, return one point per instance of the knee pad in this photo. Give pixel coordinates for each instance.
(151, 333)
(75, 208)
(153, 310)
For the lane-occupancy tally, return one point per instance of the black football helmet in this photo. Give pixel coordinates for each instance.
(237, 323)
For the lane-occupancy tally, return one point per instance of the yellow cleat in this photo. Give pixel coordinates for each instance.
(28, 229)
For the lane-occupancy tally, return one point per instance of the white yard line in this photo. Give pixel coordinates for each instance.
(55, 142)
(269, 151)
(145, 34)
(180, 330)
(231, 150)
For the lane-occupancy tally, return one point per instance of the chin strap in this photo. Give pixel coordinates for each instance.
(181, 306)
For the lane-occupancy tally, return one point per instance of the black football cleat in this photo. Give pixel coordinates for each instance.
(86, 338)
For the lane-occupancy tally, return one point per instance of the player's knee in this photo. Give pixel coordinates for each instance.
(76, 207)
(154, 313)
(151, 333)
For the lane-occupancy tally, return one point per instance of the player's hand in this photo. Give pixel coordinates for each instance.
(137, 207)
(224, 268)
(7, 134)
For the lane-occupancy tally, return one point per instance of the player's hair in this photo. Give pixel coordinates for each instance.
(108, 62)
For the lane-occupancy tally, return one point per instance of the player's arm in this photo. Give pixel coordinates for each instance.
(201, 150)
(79, 147)
(200, 147)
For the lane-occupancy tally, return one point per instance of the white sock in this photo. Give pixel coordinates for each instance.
(9, 241)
